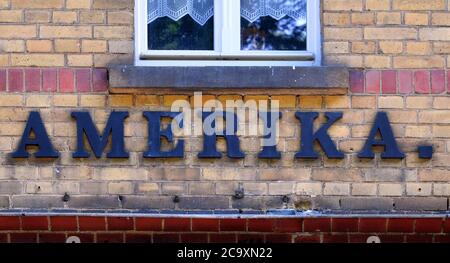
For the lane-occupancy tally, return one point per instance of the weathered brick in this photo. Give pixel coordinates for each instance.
(389, 18)
(37, 16)
(337, 102)
(434, 33)
(364, 189)
(441, 189)
(419, 102)
(418, 48)
(420, 19)
(10, 16)
(39, 46)
(120, 188)
(92, 17)
(285, 174)
(78, 4)
(391, 102)
(120, 17)
(286, 101)
(378, 4)
(390, 189)
(113, 32)
(74, 32)
(41, 202)
(95, 101)
(421, 203)
(115, 174)
(409, 62)
(112, 4)
(37, 60)
(336, 174)
(39, 4)
(17, 31)
(343, 33)
(355, 203)
(363, 18)
(121, 46)
(67, 45)
(93, 46)
(418, 5)
(338, 19)
(391, 47)
(121, 100)
(80, 60)
(204, 202)
(341, 5)
(366, 47)
(65, 17)
(311, 102)
(12, 46)
(418, 131)
(11, 188)
(385, 175)
(38, 101)
(440, 19)
(418, 189)
(389, 33)
(336, 189)
(96, 202)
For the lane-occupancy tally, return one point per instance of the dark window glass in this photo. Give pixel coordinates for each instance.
(267, 33)
(184, 34)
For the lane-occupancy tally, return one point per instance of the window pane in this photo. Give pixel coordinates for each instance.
(273, 25)
(180, 25)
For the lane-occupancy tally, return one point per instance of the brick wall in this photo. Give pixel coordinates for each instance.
(53, 59)
(60, 33)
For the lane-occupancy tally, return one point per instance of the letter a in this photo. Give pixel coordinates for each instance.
(391, 150)
(34, 124)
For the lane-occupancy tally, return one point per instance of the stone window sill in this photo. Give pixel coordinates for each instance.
(267, 80)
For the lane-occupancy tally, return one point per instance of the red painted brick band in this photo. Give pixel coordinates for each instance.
(81, 80)
(63, 80)
(49, 229)
(405, 82)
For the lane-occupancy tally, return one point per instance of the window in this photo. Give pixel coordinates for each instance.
(227, 32)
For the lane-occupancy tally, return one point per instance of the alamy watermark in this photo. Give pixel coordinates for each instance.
(231, 117)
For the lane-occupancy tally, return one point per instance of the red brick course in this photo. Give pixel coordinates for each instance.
(399, 81)
(64, 80)
(49, 229)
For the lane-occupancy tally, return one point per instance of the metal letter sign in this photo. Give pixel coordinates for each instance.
(155, 134)
(35, 135)
(209, 140)
(321, 136)
(382, 126)
(269, 149)
(35, 124)
(114, 127)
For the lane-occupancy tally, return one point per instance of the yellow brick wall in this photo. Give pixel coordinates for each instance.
(73, 33)
(364, 34)
(387, 34)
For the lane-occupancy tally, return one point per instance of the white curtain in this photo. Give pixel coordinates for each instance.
(202, 10)
(252, 10)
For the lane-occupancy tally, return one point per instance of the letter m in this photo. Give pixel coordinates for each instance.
(114, 127)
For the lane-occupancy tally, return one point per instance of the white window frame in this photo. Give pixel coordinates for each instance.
(227, 50)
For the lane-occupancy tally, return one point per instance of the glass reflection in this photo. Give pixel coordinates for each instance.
(184, 34)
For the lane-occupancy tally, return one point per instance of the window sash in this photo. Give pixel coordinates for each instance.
(227, 19)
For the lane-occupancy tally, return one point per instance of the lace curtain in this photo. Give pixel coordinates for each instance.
(202, 10)
(252, 10)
